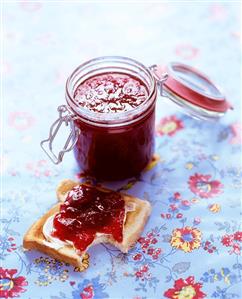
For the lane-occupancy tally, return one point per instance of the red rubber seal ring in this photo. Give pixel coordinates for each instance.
(194, 97)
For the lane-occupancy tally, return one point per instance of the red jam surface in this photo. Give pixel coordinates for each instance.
(87, 211)
(113, 153)
(111, 93)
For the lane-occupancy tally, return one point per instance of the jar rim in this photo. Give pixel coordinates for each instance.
(111, 119)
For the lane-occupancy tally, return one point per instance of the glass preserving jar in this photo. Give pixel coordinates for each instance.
(116, 145)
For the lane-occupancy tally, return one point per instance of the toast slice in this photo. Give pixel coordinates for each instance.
(135, 221)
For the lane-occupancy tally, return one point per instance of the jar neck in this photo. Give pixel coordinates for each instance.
(111, 64)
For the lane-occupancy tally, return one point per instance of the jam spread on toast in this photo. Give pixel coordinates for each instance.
(88, 211)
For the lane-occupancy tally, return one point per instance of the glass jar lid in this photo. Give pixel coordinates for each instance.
(192, 90)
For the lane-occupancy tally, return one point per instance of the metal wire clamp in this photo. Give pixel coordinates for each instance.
(67, 118)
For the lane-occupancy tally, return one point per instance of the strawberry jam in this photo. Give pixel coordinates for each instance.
(86, 212)
(111, 93)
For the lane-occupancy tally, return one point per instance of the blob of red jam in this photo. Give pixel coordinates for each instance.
(120, 151)
(86, 212)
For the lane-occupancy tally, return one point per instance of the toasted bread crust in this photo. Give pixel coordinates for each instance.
(133, 227)
(34, 239)
(64, 187)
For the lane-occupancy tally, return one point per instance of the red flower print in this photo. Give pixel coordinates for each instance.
(185, 203)
(238, 236)
(137, 256)
(72, 283)
(209, 247)
(8, 243)
(203, 186)
(186, 51)
(166, 216)
(173, 207)
(143, 273)
(185, 289)
(177, 203)
(177, 195)
(169, 126)
(20, 120)
(147, 247)
(233, 242)
(87, 293)
(227, 240)
(11, 286)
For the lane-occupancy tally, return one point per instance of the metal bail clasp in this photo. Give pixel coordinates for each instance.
(160, 78)
(65, 116)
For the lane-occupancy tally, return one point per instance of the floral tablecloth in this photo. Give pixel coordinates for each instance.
(191, 246)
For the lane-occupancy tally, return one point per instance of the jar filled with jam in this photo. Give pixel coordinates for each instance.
(110, 107)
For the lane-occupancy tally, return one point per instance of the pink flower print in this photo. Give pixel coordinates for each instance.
(169, 126)
(10, 35)
(236, 249)
(236, 129)
(197, 220)
(60, 77)
(6, 68)
(40, 168)
(218, 12)
(30, 6)
(46, 38)
(186, 51)
(236, 35)
(21, 120)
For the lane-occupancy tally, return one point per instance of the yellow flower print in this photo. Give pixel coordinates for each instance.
(186, 239)
(85, 263)
(215, 157)
(189, 165)
(187, 292)
(194, 200)
(214, 208)
(154, 161)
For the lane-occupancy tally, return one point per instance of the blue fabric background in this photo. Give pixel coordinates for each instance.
(43, 43)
